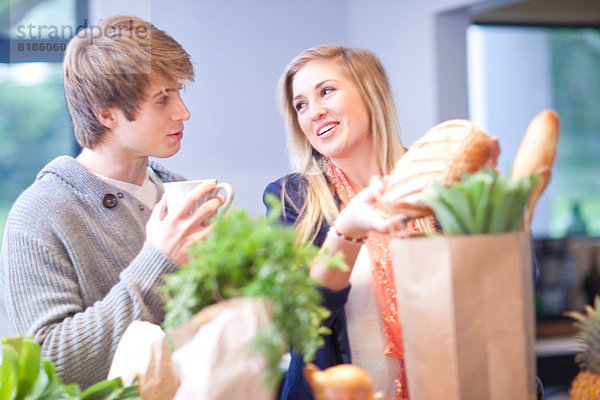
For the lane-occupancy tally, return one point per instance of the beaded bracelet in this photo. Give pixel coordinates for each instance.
(346, 238)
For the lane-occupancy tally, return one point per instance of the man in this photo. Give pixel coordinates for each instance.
(86, 245)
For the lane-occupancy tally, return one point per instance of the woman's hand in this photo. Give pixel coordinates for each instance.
(174, 233)
(360, 215)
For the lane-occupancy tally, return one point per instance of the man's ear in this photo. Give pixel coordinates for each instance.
(107, 117)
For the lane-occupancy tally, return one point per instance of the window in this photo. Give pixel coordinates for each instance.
(35, 126)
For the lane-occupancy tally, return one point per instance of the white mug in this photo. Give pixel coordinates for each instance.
(176, 192)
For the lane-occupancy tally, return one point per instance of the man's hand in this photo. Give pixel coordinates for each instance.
(174, 233)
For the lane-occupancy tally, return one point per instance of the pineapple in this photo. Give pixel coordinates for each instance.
(586, 384)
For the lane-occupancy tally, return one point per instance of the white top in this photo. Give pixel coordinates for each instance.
(365, 327)
(147, 194)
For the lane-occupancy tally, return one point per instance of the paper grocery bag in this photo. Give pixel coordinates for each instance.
(142, 352)
(211, 357)
(467, 311)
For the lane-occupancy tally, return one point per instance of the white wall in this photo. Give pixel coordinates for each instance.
(241, 47)
(403, 35)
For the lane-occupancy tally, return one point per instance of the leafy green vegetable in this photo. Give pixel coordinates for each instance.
(254, 256)
(25, 376)
(109, 390)
(482, 202)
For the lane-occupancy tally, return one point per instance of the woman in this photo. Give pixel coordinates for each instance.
(342, 131)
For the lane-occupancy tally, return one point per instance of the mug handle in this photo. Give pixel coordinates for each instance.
(229, 198)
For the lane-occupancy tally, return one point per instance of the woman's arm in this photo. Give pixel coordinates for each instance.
(333, 300)
(349, 231)
(354, 221)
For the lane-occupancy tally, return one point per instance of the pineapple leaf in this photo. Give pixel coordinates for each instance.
(588, 338)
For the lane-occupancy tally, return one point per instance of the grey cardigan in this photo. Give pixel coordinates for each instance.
(75, 268)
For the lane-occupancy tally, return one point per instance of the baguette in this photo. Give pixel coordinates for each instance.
(536, 155)
(444, 153)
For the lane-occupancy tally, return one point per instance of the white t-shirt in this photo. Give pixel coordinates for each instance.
(365, 327)
(148, 194)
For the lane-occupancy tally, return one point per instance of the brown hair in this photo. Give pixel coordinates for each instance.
(364, 69)
(111, 64)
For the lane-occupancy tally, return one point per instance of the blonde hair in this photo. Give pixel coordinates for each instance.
(364, 69)
(111, 65)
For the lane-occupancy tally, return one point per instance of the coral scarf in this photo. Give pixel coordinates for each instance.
(382, 274)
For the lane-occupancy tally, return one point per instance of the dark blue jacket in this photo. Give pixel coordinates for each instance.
(337, 348)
